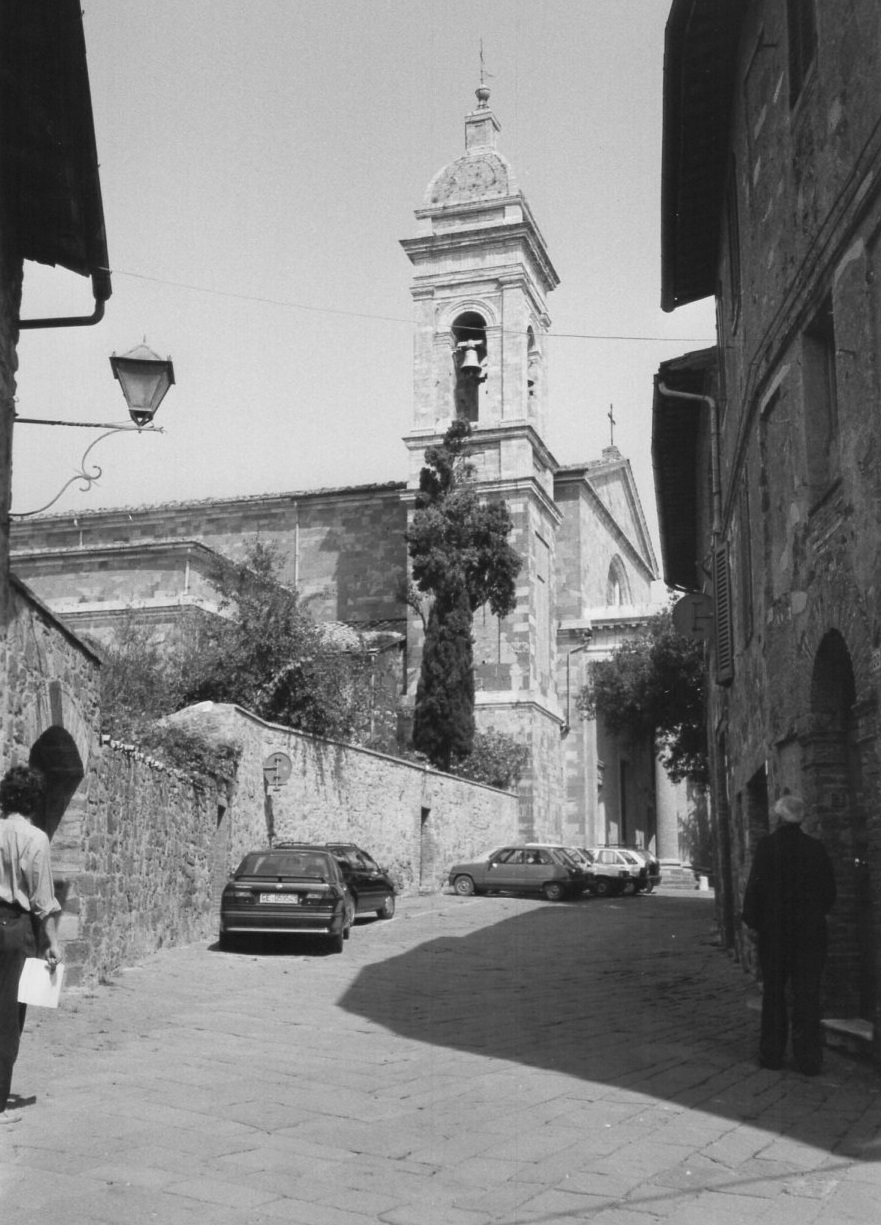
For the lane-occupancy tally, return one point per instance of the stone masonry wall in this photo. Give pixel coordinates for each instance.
(415, 821)
(148, 842)
(10, 298)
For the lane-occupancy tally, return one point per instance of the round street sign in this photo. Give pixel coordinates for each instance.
(277, 769)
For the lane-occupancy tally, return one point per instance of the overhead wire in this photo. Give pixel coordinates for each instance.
(352, 314)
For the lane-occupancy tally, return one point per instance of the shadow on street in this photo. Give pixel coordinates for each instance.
(633, 993)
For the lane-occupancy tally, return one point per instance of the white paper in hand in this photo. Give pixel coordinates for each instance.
(39, 985)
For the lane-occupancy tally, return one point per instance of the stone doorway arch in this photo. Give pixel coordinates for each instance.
(837, 750)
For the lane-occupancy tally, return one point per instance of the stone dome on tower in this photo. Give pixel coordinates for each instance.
(481, 173)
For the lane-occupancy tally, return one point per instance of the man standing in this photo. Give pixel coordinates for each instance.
(26, 891)
(788, 895)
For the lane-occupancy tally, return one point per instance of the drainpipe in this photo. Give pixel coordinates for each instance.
(715, 470)
(588, 635)
(100, 292)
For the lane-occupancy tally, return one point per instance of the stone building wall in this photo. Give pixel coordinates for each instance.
(10, 299)
(799, 311)
(148, 841)
(342, 549)
(415, 821)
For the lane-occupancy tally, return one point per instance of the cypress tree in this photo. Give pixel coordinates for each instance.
(461, 559)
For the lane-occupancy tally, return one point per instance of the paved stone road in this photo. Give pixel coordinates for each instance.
(475, 1060)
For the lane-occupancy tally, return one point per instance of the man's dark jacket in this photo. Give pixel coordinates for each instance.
(791, 886)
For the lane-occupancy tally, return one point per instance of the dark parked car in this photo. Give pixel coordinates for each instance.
(521, 869)
(296, 891)
(617, 870)
(371, 887)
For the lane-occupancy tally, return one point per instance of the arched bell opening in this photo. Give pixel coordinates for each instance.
(470, 361)
(834, 775)
(57, 757)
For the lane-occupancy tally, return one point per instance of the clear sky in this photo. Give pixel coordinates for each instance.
(261, 159)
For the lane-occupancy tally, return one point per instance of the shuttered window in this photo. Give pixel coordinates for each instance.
(801, 21)
(723, 618)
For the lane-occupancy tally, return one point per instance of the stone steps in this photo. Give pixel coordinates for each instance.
(679, 877)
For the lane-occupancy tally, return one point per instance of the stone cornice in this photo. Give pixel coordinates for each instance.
(428, 246)
(527, 487)
(418, 440)
(485, 699)
(262, 502)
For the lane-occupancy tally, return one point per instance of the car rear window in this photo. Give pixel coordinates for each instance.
(286, 863)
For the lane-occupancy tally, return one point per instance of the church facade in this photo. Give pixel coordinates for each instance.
(481, 279)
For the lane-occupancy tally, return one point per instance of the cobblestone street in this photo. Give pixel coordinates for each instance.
(475, 1060)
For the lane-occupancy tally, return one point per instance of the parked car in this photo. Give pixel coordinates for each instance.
(371, 887)
(653, 867)
(521, 869)
(581, 857)
(616, 870)
(292, 891)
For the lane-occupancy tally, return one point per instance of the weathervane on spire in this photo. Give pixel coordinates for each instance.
(611, 415)
(483, 90)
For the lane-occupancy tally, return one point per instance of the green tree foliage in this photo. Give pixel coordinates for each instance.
(443, 723)
(268, 655)
(141, 680)
(265, 654)
(461, 559)
(654, 685)
(495, 759)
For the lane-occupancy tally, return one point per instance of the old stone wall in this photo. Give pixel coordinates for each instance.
(799, 337)
(415, 821)
(148, 838)
(51, 681)
(10, 298)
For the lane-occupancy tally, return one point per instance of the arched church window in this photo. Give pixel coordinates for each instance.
(470, 357)
(617, 585)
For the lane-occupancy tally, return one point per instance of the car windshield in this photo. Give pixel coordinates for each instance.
(564, 857)
(286, 863)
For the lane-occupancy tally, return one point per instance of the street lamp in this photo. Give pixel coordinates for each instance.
(145, 378)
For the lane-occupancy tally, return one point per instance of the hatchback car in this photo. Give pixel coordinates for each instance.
(617, 870)
(652, 866)
(371, 887)
(287, 891)
(521, 869)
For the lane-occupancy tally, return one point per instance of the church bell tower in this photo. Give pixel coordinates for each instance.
(480, 283)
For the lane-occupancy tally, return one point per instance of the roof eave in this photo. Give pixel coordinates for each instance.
(700, 56)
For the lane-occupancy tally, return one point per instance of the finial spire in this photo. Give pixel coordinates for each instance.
(483, 89)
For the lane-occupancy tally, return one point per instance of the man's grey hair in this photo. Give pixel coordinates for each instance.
(790, 808)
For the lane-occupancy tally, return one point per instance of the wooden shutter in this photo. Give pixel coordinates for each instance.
(724, 627)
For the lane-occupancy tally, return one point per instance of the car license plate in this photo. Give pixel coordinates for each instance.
(280, 899)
